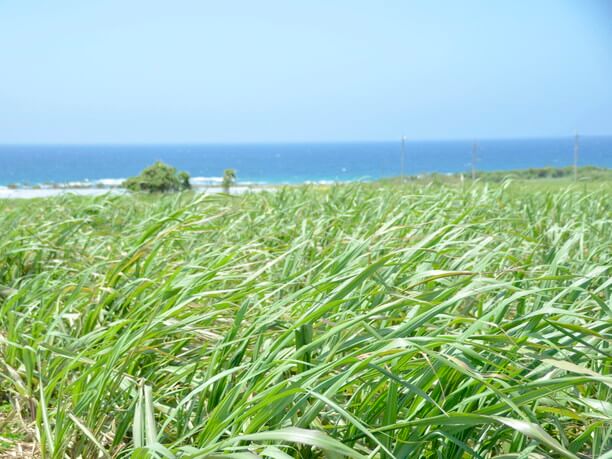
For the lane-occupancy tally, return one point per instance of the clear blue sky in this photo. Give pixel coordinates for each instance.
(88, 71)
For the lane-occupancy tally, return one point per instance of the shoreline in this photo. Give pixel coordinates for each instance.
(32, 193)
(212, 185)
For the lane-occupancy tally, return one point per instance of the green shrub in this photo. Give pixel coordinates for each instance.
(159, 178)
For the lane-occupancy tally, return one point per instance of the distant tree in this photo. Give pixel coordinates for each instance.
(158, 178)
(184, 180)
(229, 179)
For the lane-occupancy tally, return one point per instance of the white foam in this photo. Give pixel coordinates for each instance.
(206, 180)
(110, 182)
(236, 190)
(324, 182)
(28, 193)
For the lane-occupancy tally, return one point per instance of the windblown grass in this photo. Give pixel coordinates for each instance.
(357, 321)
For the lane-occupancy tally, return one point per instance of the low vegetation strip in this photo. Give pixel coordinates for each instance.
(362, 320)
(543, 175)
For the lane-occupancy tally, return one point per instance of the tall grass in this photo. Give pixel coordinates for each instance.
(356, 321)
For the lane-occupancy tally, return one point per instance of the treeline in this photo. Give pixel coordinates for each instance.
(591, 173)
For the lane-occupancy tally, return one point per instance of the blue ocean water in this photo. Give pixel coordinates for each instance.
(291, 163)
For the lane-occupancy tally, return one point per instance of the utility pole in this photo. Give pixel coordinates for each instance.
(576, 152)
(403, 158)
(474, 153)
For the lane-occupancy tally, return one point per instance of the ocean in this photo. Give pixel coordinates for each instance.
(289, 163)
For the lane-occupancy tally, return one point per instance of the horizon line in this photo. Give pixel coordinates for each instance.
(295, 142)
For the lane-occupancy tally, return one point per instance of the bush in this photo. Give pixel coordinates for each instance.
(159, 178)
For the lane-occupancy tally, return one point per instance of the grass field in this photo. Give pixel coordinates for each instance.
(364, 320)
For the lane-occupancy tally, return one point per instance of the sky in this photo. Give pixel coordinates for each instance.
(149, 71)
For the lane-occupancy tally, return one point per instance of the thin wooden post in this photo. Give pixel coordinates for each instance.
(474, 157)
(403, 158)
(576, 152)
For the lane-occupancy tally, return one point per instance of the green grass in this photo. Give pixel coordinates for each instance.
(362, 320)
